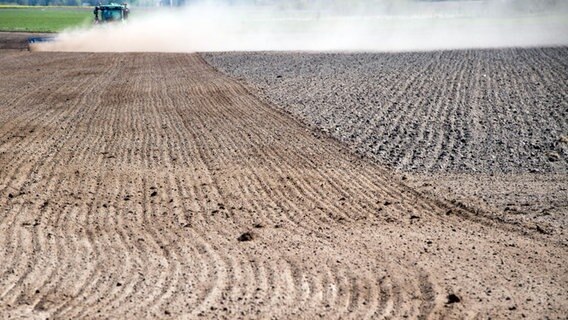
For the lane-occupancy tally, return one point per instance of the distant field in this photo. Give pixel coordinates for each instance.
(43, 19)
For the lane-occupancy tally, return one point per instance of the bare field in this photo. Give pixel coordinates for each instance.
(488, 111)
(152, 186)
(487, 129)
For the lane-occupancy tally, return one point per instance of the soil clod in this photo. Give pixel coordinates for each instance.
(453, 298)
(247, 236)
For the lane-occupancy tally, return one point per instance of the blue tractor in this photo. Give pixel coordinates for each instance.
(107, 13)
(112, 12)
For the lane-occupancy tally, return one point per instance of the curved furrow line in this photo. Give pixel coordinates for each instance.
(360, 290)
(168, 296)
(53, 155)
(376, 298)
(292, 199)
(31, 221)
(428, 296)
(407, 201)
(85, 224)
(99, 228)
(315, 287)
(404, 303)
(369, 302)
(18, 302)
(169, 275)
(386, 301)
(54, 292)
(106, 284)
(213, 189)
(9, 245)
(216, 267)
(264, 154)
(48, 217)
(14, 253)
(343, 286)
(257, 290)
(329, 281)
(292, 293)
(38, 166)
(213, 292)
(127, 275)
(303, 287)
(355, 296)
(281, 291)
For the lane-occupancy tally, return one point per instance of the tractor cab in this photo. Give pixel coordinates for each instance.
(111, 13)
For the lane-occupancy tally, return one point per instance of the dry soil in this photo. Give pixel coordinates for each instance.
(152, 186)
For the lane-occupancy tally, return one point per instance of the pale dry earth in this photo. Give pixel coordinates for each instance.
(487, 129)
(127, 181)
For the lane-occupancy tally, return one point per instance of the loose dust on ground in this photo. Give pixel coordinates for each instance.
(152, 186)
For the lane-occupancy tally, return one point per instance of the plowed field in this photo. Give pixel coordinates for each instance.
(152, 186)
(485, 128)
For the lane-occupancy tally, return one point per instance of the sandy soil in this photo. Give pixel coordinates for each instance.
(484, 128)
(152, 186)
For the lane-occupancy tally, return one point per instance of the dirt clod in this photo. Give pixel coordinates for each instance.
(452, 298)
(247, 236)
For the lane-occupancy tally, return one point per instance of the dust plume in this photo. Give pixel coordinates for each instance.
(365, 25)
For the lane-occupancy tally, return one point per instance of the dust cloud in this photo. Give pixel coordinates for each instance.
(387, 25)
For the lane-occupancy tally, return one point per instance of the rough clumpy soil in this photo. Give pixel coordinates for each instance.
(485, 128)
(490, 111)
(127, 181)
